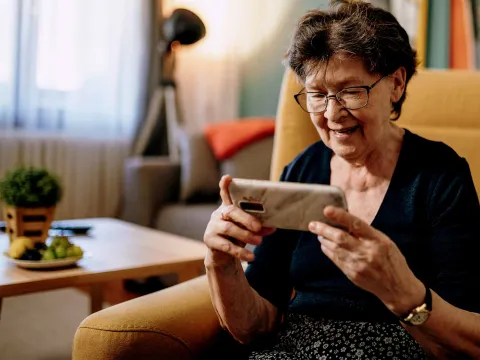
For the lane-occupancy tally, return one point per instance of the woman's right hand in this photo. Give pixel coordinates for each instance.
(230, 229)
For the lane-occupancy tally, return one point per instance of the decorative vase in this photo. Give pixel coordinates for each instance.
(30, 222)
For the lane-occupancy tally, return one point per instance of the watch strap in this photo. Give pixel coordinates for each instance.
(427, 302)
(428, 298)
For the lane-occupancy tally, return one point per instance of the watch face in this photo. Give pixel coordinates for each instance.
(419, 318)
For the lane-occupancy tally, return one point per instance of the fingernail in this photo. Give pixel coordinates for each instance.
(312, 226)
(320, 237)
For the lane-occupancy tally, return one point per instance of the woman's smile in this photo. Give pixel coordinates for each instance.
(345, 132)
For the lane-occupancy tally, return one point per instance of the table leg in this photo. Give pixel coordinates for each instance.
(189, 273)
(96, 297)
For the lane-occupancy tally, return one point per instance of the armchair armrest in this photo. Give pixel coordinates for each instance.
(148, 182)
(176, 323)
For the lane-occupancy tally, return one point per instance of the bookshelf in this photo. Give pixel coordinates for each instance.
(445, 33)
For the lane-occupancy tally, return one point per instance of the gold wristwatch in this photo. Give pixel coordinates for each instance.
(421, 313)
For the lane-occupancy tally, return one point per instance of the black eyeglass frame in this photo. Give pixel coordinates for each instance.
(328, 97)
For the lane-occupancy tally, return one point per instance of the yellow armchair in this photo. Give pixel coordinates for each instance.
(180, 322)
(176, 323)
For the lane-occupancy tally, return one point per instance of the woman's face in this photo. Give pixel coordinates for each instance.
(353, 134)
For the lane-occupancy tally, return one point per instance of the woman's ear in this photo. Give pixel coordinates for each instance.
(399, 80)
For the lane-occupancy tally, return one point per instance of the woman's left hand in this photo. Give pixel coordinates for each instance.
(370, 259)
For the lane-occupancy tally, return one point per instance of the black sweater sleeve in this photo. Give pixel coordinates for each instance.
(454, 247)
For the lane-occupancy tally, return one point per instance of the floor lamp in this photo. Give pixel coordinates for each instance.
(181, 28)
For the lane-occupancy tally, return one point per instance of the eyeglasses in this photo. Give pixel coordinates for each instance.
(351, 98)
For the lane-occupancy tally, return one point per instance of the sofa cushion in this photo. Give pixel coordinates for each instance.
(252, 162)
(189, 220)
(199, 172)
(228, 137)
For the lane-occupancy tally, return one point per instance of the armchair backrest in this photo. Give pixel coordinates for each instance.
(440, 105)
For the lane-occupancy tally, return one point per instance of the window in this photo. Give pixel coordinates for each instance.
(73, 65)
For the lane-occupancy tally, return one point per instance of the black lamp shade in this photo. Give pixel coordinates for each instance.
(183, 26)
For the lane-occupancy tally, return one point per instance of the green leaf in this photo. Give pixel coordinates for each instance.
(30, 187)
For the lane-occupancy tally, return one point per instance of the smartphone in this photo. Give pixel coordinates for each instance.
(285, 205)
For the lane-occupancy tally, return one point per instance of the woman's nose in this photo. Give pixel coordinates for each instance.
(334, 110)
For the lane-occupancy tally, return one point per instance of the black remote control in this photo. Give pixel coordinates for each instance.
(59, 226)
(65, 226)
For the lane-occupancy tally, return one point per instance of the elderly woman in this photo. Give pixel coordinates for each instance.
(403, 280)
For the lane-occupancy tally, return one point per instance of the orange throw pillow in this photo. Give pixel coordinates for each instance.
(228, 137)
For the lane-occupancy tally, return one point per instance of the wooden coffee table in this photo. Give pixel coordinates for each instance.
(114, 250)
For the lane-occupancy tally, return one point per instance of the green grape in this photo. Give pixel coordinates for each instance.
(54, 241)
(60, 241)
(48, 254)
(60, 252)
(65, 242)
(71, 252)
(78, 250)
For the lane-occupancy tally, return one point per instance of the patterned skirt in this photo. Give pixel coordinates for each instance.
(303, 337)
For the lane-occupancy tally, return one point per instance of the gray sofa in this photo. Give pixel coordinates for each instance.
(180, 197)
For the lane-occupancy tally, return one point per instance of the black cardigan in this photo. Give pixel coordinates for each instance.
(430, 211)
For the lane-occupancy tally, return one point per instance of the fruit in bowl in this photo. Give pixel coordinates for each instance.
(60, 247)
(19, 246)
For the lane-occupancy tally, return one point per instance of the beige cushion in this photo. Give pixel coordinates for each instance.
(185, 220)
(251, 162)
(199, 173)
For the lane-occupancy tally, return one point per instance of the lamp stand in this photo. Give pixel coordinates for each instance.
(164, 97)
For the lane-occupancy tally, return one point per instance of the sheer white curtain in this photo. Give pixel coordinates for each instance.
(208, 73)
(77, 66)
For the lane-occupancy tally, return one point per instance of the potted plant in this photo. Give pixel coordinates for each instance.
(29, 196)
